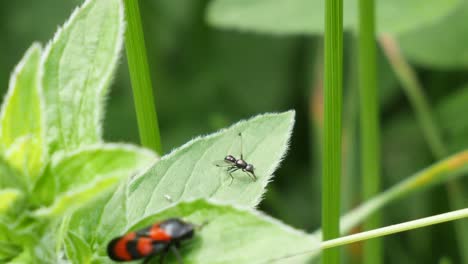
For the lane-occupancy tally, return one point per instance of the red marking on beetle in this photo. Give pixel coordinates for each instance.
(159, 234)
(145, 246)
(120, 248)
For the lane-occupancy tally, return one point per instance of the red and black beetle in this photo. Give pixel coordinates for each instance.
(151, 241)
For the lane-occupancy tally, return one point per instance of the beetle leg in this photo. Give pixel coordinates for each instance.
(163, 256)
(176, 253)
(148, 259)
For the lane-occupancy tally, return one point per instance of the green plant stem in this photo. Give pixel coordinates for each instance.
(370, 147)
(141, 79)
(331, 185)
(384, 231)
(432, 134)
(442, 171)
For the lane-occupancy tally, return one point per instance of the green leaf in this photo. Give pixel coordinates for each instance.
(231, 235)
(23, 140)
(78, 66)
(10, 177)
(189, 173)
(76, 177)
(76, 198)
(77, 249)
(441, 44)
(8, 197)
(22, 258)
(307, 16)
(8, 251)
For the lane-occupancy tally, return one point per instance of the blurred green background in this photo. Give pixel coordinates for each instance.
(207, 78)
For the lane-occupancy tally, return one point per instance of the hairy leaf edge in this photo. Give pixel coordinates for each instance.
(116, 57)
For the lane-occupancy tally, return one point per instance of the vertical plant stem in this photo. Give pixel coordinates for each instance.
(331, 182)
(370, 147)
(141, 79)
(431, 132)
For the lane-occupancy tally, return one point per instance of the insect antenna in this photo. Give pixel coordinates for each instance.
(202, 225)
(241, 150)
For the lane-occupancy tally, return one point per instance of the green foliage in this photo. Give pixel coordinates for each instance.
(24, 142)
(69, 184)
(85, 169)
(235, 231)
(441, 44)
(43, 180)
(74, 92)
(307, 16)
(188, 173)
(8, 197)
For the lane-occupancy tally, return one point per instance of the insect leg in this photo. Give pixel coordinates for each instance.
(163, 257)
(230, 171)
(254, 178)
(148, 259)
(176, 253)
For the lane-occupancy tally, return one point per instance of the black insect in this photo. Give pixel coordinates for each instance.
(151, 241)
(234, 164)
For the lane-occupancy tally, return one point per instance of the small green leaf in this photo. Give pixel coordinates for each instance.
(77, 250)
(8, 251)
(441, 44)
(189, 173)
(231, 235)
(7, 198)
(78, 66)
(10, 177)
(22, 258)
(71, 200)
(85, 173)
(23, 140)
(307, 16)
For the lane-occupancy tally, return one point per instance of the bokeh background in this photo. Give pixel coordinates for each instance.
(207, 78)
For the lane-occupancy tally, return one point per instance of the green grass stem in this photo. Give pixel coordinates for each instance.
(141, 79)
(331, 181)
(440, 172)
(397, 228)
(369, 117)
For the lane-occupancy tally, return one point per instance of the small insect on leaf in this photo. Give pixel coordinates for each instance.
(233, 164)
(151, 241)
